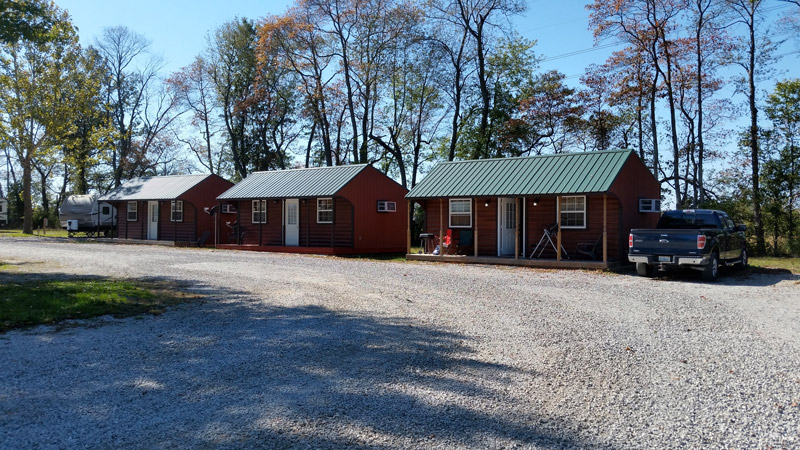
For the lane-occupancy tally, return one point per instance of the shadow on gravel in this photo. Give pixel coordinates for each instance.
(728, 276)
(246, 374)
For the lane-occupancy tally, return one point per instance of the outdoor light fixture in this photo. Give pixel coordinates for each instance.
(486, 203)
(536, 202)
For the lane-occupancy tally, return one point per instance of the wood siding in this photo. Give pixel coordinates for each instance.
(374, 231)
(544, 214)
(634, 182)
(195, 221)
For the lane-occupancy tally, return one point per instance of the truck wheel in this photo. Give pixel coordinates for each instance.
(711, 271)
(644, 269)
(742, 264)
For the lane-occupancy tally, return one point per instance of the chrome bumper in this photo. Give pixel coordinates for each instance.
(677, 260)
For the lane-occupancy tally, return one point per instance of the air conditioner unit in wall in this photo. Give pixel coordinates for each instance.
(227, 208)
(387, 206)
(649, 205)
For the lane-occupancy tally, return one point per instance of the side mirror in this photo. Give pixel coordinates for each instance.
(742, 228)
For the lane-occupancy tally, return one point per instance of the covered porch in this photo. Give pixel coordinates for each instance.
(549, 231)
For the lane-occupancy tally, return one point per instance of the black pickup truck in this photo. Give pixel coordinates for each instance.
(701, 239)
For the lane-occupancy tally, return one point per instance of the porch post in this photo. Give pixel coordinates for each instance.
(408, 223)
(605, 228)
(558, 218)
(217, 224)
(283, 222)
(174, 224)
(441, 226)
(475, 228)
(516, 230)
(238, 228)
(261, 206)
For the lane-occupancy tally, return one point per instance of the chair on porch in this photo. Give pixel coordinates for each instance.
(465, 241)
(590, 249)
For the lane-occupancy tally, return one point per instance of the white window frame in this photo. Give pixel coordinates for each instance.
(260, 208)
(135, 211)
(450, 212)
(324, 210)
(387, 206)
(558, 212)
(176, 207)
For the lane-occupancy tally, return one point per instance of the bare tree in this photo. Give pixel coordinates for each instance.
(133, 74)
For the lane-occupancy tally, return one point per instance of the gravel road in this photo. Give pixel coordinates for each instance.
(317, 352)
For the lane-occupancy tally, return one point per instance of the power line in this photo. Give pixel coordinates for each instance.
(582, 51)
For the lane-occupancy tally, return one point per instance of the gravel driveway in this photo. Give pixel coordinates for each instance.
(317, 352)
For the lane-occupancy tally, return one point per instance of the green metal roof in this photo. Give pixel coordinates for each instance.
(294, 183)
(565, 173)
(167, 187)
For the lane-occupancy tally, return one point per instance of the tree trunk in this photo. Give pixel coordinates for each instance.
(310, 142)
(674, 131)
(759, 225)
(27, 221)
(654, 124)
(483, 150)
(700, 183)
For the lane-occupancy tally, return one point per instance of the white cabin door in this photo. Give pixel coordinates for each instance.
(507, 225)
(152, 221)
(292, 219)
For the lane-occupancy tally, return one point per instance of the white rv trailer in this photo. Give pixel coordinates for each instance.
(3, 212)
(84, 214)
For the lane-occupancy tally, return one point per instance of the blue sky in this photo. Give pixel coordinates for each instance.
(178, 28)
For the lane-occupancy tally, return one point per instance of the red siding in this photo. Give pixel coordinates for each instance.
(133, 229)
(544, 215)
(202, 196)
(357, 224)
(375, 232)
(195, 220)
(336, 234)
(484, 220)
(634, 182)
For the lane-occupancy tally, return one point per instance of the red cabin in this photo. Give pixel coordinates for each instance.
(564, 210)
(325, 210)
(167, 208)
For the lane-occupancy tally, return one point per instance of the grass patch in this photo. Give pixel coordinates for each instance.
(57, 232)
(396, 257)
(790, 264)
(46, 301)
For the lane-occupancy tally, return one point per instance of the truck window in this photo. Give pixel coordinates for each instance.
(676, 220)
(706, 221)
(682, 220)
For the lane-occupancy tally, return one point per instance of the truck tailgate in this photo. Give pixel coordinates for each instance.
(664, 242)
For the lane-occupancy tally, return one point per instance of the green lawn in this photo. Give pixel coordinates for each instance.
(58, 232)
(791, 264)
(45, 300)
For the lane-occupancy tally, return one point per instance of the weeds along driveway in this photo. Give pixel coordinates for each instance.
(303, 351)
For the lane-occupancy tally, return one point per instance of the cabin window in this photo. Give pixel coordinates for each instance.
(132, 211)
(573, 211)
(460, 213)
(324, 210)
(176, 211)
(259, 211)
(106, 210)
